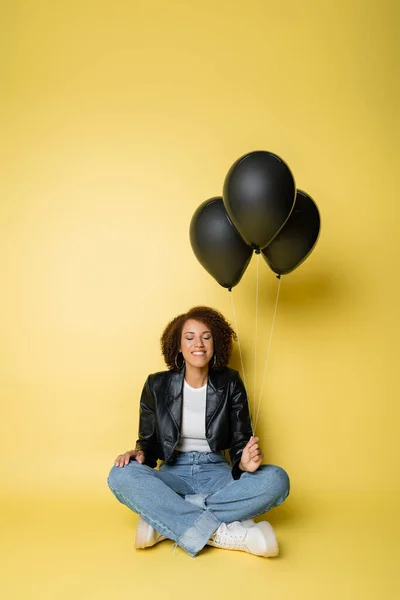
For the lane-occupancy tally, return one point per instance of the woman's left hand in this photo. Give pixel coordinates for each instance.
(251, 456)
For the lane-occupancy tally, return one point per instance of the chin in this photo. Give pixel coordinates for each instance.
(199, 363)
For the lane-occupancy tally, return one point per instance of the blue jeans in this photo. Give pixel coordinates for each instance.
(188, 499)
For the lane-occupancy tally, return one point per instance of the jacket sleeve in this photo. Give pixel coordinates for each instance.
(148, 441)
(241, 430)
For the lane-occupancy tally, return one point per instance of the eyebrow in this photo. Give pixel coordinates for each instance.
(206, 331)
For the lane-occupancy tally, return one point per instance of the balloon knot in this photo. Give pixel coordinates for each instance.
(257, 251)
(229, 289)
(278, 276)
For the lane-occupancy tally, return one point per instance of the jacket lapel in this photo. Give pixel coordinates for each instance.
(215, 397)
(175, 398)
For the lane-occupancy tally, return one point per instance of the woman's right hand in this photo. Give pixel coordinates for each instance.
(124, 459)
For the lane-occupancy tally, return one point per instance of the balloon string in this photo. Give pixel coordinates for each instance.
(268, 350)
(256, 335)
(241, 355)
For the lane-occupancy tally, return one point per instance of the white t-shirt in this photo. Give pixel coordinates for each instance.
(193, 425)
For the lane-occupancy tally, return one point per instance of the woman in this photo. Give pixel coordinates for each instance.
(188, 416)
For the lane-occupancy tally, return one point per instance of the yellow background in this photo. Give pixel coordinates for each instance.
(119, 119)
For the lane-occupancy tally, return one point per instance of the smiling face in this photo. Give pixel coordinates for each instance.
(197, 345)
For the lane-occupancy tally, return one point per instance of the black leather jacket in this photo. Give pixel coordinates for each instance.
(227, 425)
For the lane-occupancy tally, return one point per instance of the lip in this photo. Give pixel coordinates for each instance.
(198, 353)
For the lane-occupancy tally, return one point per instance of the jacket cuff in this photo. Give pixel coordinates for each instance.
(236, 470)
(149, 460)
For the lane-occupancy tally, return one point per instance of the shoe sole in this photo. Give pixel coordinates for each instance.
(142, 534)
(272, 544)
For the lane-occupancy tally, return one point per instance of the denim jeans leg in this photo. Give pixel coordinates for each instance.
(143, 490)
(251, 495)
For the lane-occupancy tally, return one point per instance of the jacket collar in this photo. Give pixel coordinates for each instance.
(174, 395)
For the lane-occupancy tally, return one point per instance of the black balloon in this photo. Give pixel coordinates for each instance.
(217, 244)
(259, 194)
(296, 239)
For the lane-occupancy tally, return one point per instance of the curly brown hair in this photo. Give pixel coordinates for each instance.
(222, 332)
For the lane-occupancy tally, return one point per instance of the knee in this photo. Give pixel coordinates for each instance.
(122, 477)
(114, 478)
(283, 481)
(118, 477)
(278, 480)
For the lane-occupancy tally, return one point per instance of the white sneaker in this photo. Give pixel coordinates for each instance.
(258, 538)
(248, 523)
(146, 535)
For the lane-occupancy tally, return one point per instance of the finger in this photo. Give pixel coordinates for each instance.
(253, 440)
(116, 461)
(255, 453)
(125, 458)
(254, 450)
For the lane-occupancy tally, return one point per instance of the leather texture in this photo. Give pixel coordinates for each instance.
(227, 423)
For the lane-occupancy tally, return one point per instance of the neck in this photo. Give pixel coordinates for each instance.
(196, 377)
